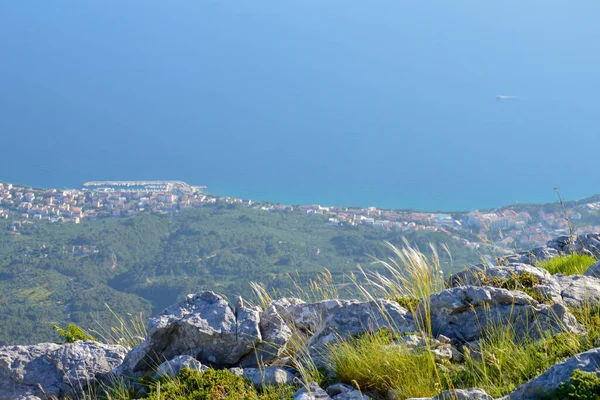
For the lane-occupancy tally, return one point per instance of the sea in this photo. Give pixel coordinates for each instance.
(433, 105)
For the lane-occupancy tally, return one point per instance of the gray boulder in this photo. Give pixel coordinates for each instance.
(441, 349)
(463, 313)
(547, 286)
(306, 317)
(173, 367)
(311, 392)
(458, 394)
(203, 325)
(341, 391)
(275, 334)
(582, 244)
(549, 381)
(463, 394)
(266, 376)
(351, 318)
(532, 257)
(593, 270)
(60, 370)
(578, 290)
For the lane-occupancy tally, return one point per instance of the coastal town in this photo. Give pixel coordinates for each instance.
(506, 228)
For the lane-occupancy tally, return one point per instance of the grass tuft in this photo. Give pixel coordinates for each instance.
(127, 332)
(374, 363)
(572, 264)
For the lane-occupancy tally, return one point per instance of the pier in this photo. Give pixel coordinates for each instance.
(142, 186)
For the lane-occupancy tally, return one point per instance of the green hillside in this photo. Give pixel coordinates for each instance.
(60, 273)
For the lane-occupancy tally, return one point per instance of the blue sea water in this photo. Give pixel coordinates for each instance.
(346, 102)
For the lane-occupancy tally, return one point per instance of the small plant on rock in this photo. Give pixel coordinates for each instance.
(408, 302)
(72, 334)
(581, 386)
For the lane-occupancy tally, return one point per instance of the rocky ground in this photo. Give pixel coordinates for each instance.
(205, 330)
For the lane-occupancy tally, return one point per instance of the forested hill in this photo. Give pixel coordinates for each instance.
(64, 272)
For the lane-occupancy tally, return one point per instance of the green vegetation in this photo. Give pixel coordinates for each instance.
(212, 384)
(504, 361)
(581, 386)
(571, 264)
(191, 384)
(73, 333)
(524, 281)
(65, 273)
(498, 364)
(408, 302)
(372, 362)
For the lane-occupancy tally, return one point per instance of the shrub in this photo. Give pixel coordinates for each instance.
(581, 386)
(408, 302)
(72, 334)
(572, 264)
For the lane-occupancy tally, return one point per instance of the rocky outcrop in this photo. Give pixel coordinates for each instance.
(341, 391)
(173, 367)
(275, 334)
(204, 330)
(458, 394)
(593, 270)
(267, 376)
(545, 284)
(571, 290)
(312, 391)
(463, 394)
(578, 290)
(351, 318)
(52, 369)
(550, 380)
(463, 313)
(205, 326)
(582, 244)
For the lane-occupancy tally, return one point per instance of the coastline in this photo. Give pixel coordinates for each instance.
(221, 191)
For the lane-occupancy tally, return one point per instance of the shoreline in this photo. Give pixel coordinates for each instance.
(203, 189)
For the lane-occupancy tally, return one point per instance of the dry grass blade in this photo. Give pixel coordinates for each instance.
(127, 332)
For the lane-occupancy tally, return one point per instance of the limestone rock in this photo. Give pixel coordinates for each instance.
(173, 367)
(532, 257)
(462, 313)
(341, 391)
(275, 334)
(441, 349)
(463, 394)
(351, 318)
(547, 286)
(308, 317)
(312, 392)
(593, 270)
(582, 244)
(61, 370)
(544, 384)
(203, 325)
(267, 376)
(579, 290)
